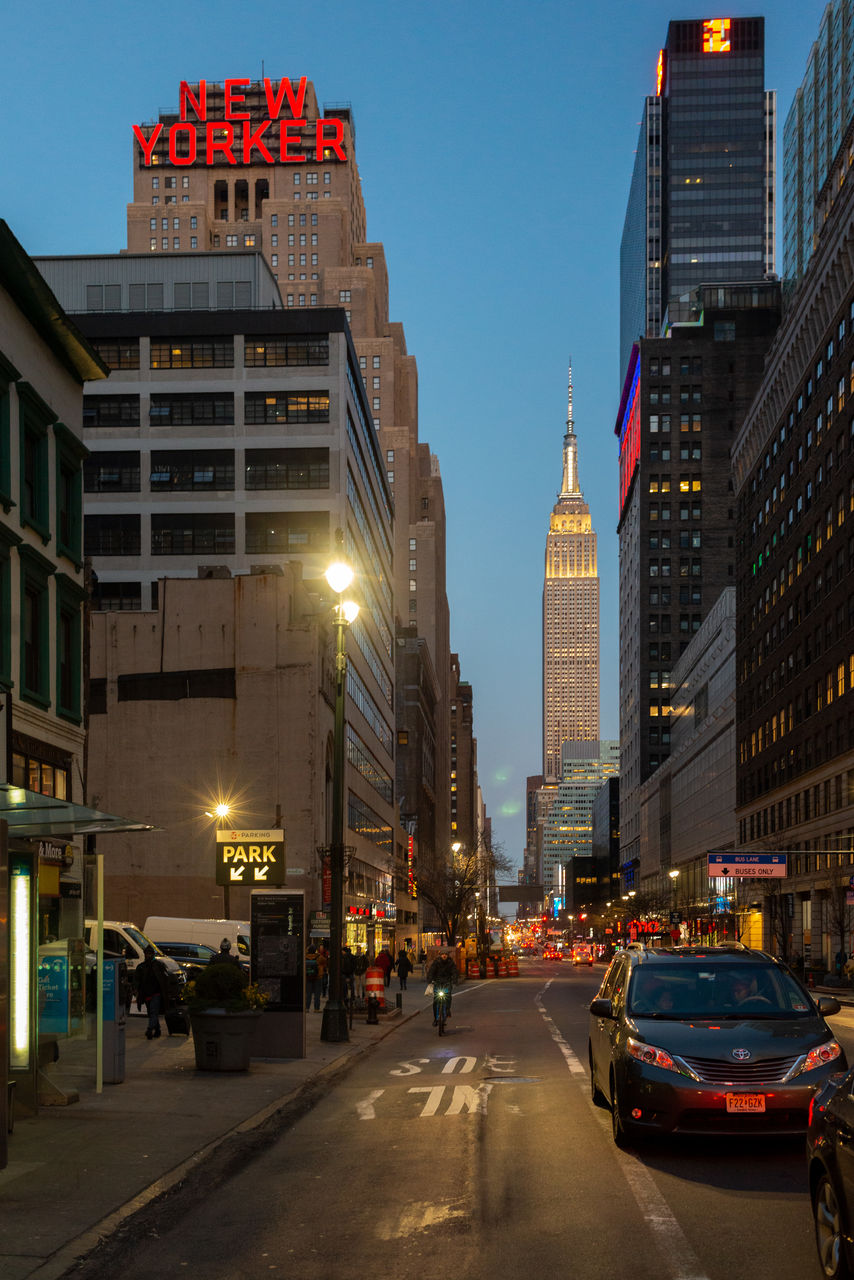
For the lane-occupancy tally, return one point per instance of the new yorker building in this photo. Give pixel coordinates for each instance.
(700, 207)
(684, 399)
(306, 217)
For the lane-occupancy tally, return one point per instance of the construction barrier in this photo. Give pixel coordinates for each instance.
(474, 969)
(502, 968)
(512, 967)
(375, 986)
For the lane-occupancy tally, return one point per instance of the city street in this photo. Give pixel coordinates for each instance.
(481, 1154)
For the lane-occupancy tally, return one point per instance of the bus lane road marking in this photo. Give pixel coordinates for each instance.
(680, 1260)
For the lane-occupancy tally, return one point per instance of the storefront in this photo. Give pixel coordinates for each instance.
(49, 970)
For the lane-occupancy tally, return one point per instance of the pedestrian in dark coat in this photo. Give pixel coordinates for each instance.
(151, 990)
(404, 967)
(385, 962)
(361, 968)
(348, 969)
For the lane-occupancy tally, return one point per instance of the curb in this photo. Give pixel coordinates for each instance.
(72, 1258)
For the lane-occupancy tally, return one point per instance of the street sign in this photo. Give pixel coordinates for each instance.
(251, 858)
(748, 865)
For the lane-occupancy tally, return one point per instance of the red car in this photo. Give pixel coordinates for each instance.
(551, 953)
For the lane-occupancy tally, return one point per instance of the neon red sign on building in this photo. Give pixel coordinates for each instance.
(628, 427)
(231, 138)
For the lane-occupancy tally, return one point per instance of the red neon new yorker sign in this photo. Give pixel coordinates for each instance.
(233, 138)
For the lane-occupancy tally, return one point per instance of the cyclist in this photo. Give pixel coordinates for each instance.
(443, 974)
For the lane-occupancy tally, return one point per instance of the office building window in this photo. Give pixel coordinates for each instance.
(117, 596)
(185, 470)
(196, 533)
(35, 626)
(296, 349)
(269, 407)
(111, 411)
(192, 353)
(111, 535)
(287, 532)
(192, 410)
(112, 471)
(35, 417)
(69, 666)
(287, 469)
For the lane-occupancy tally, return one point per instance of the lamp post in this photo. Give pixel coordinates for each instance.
(675, 926)
(334, 1026)
(220, 811)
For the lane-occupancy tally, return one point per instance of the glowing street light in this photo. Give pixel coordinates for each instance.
(334, 1028)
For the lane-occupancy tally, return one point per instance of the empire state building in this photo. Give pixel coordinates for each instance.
(570, 618)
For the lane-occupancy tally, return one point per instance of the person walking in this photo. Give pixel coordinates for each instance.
(385, 962)
(323, 965)
(403, 965)
(348, 969)
(224, 955)
(360, 961)
(151, 990)
(312, 978)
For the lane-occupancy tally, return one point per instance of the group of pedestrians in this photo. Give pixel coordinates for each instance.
(354, 966)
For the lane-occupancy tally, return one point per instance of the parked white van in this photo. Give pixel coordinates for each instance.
(123, 938)
(211, 932)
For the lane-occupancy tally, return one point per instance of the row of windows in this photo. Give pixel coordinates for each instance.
(50, 632)
(211, 409)
(217, 353)
(660, 366)
(688, 422)
(119, 471)
(201, 533)
(816, 696)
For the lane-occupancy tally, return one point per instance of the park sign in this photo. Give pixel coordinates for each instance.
(234, 137)
(750, 866)
(251, 858)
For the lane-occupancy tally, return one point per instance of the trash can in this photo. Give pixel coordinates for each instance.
(115, 1016)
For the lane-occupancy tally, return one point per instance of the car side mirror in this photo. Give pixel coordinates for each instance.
(827, 1006)
(601, 1008)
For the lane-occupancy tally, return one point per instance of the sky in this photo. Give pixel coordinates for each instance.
(495, 143)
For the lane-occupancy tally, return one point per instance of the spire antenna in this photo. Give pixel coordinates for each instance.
(569, 426)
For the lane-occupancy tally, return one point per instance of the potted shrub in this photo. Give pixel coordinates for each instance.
(224, 1011)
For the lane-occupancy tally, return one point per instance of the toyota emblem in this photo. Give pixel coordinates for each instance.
(741, 1055)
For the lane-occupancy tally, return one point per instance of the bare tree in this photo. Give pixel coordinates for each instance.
(452, 889)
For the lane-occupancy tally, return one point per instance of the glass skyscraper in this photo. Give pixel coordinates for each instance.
(816, 125)
(700, 208)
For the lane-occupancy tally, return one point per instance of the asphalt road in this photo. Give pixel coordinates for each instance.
(480, 1155)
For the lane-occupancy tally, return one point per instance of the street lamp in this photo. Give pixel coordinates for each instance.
(334, 1026)
(220, 812)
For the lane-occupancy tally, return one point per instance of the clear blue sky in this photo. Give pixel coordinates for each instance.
(495, 143)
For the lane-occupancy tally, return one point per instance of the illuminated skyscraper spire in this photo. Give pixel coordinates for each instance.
(569, 483)
(570, 616)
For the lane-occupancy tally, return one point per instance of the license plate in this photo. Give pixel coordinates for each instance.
(745, 1102)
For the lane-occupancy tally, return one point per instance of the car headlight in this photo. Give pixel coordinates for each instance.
(652, 1056)
(821, 1055)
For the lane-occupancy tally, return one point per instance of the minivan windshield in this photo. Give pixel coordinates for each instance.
(140, 939)
(708, 989)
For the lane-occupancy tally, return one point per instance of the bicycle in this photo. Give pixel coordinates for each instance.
(440, 999)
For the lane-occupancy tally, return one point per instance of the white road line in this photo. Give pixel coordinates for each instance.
(571, 1061)
(679, 1258)
(365, 1109)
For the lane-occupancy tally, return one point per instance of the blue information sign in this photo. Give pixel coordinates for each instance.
(752, 866)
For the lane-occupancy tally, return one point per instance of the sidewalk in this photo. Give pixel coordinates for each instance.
(77, 1174)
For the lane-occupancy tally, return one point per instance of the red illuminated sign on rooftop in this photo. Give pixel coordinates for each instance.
(716, 35)
(231, 138)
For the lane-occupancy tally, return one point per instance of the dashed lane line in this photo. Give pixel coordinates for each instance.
(681, 1261)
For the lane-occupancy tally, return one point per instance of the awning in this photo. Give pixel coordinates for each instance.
(32, 816)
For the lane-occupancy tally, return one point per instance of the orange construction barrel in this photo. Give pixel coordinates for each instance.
(474, 969)
(375, 986)
(502, 968)
(512, 967)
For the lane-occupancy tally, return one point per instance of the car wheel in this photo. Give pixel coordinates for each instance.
(618, 1128)
(596, 1095)
(829, 1236)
